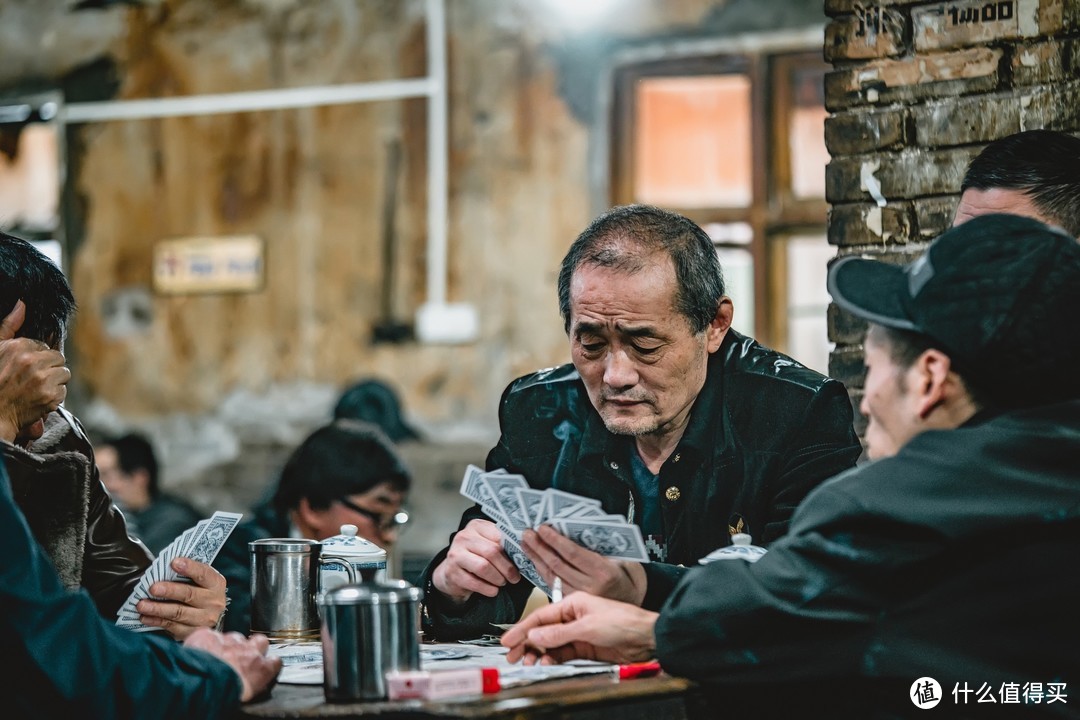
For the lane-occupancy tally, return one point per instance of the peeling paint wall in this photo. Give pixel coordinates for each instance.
(226, 383)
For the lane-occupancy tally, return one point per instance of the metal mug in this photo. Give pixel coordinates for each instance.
(285, 587)
(368, 629)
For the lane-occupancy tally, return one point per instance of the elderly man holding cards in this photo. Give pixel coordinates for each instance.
(667, 418)
(943, 570)
(51, 461)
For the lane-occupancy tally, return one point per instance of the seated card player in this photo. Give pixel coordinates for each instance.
(667, 416)
(63, 660)
(51, 461)
(944, 569)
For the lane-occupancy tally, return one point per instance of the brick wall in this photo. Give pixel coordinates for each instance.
(917, 89)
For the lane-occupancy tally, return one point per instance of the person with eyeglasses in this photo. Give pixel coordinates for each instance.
(385, 523)
(345, 473)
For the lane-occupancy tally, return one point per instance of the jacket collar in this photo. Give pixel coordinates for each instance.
(705, 430)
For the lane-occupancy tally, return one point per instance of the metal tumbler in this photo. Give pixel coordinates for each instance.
(285, 587)
(368, 629)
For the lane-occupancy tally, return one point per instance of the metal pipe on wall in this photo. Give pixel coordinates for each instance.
(437, 321)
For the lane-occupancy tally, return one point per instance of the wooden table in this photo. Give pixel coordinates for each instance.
(586, 697)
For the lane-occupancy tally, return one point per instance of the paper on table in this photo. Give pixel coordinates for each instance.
(302, 663)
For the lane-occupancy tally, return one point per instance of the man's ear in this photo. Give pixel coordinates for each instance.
(932, 380)
(309, 520)
(721, 323)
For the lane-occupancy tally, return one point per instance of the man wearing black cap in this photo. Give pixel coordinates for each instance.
(942, 572)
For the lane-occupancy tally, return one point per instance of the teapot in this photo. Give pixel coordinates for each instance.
(366, 559)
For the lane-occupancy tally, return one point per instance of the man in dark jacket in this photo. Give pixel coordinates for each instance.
(51, 461)
(667, 416)
(941, 572)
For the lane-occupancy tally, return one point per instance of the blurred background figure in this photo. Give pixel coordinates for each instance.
(375, 402)
(435, 465)
(347, 472)
(129, 468)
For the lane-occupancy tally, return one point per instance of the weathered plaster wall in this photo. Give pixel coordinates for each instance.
(226, 383)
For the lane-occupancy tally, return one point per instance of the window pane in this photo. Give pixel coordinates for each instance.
(50, 249)
(738, 266)
(692, 141)
(807, 134)
(738, 233)
(29, 176)
(808, 300)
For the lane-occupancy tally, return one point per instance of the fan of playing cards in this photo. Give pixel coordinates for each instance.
(514, 506)
(201, 542)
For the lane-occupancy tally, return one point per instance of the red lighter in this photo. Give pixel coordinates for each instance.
(639, 670)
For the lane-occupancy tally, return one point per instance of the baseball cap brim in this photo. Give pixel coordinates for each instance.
(871, 289)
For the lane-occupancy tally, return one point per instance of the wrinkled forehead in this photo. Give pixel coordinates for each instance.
(1013, 201)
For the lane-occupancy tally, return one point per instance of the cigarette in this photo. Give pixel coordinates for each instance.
(556, 590)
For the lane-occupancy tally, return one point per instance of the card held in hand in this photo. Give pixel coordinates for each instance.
(201, 542)
(621, 541)
(514, 507)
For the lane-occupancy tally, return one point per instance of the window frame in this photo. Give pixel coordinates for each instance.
(774, 212)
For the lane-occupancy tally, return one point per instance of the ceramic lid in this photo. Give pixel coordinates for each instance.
(358, 550)
(739, 549)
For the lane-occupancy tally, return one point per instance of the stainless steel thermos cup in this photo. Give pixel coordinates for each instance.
(368, 629)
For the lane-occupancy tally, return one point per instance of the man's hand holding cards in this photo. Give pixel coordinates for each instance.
(205, 602)
(550, 532)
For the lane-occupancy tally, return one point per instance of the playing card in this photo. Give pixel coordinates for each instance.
(531, 501)
(201, 543)
(620, 541)
(559, 501)
(205, 545)
(509, 531)
(524, 565)
(160, 568)
(184, 540)
(472, 488)
(585, 510)
(502, 487)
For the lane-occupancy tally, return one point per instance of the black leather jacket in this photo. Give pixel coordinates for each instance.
(70, 513)
(763, 432)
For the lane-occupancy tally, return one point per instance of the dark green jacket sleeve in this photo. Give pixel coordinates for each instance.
(66, 661)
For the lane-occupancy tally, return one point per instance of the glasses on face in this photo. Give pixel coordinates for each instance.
(384, 523)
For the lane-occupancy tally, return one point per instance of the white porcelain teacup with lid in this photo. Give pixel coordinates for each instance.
(739, 549)
(367, 559)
